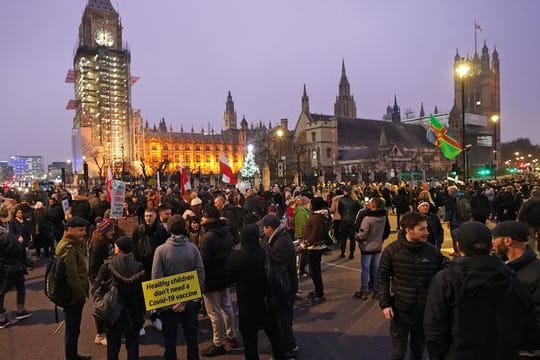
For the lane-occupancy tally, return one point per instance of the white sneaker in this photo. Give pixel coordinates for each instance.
(142, 332)
(157, 324)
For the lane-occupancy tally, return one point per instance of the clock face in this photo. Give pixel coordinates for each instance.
(104, 37)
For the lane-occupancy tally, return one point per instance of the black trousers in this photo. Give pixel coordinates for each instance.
(188, 320)
(314, 260)
(347, 231)
(73, 315)
(250, 330)
(114, 338)
(6, 284)
(412, 334)
(284, 312)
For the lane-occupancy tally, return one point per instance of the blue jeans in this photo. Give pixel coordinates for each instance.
(370, 268)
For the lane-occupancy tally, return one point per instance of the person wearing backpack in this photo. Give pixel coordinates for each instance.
(70, 251)
(529, 214)
(127, 275)
(477, 309)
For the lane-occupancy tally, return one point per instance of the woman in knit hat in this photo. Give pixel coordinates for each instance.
(101, 244)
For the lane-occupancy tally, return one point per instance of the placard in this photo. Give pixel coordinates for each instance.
(171, 290)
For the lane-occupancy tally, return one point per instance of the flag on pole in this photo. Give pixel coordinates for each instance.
(70, 77)
(72, 104)
(225, 169)
(185, 184)
(477, 27)
(109, 183)
(442, 139)
(133, 80)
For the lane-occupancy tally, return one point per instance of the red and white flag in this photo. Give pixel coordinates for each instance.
(70, 76)
(225, 169)
(185, 184)
(72, 104)
(108, 184)
(133, 80)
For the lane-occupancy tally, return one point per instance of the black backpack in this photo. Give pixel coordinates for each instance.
(56, 288)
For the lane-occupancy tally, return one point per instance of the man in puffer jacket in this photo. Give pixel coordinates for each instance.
(407, 267)
(374, 229)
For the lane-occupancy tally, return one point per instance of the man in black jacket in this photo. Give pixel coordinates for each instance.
(510, 241)
(348, 208)
(146, 238)
(281, 248)
(407, 267)
(128, 275)
(216, 248)
(476, 309)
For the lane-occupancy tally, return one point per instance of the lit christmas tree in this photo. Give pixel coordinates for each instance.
(250, 168)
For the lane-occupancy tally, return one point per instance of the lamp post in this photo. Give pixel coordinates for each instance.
(495, 119)
(279, 134)
(123, 162)
(462, 71)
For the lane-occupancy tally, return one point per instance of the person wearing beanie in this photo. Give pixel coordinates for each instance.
(279, 245)
(476, 308)
(71, 250)
(510, 241)
(101, 247)
(246, 269)
(436, 231)
(215, 251)
(529, 213)
(127, 275)
(195, 230)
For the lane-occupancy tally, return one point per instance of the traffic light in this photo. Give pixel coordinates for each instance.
(484, 171)
(454, 169)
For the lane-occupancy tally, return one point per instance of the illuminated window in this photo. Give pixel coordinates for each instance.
(314, 154)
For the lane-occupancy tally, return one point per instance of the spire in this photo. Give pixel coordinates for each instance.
(305, 101)
(100, 5)
(436, 110)
(457, 58)
(422, 112)
(344, 105)
(230, 113)
(396, 112)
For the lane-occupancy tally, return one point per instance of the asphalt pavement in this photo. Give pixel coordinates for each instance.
(340, 328)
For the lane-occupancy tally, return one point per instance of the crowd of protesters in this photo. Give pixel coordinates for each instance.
(232, 238)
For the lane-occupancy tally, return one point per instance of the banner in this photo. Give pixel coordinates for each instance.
(118, 196)
(171, 290)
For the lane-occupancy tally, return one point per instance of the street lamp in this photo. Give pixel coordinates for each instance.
(279, 134)
(462, 71)
(495, 119)
(123, 162)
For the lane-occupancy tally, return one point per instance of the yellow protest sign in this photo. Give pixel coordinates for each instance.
(171, 290)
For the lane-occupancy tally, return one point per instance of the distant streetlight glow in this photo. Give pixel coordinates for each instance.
(463, 69)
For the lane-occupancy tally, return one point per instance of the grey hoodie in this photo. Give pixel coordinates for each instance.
(370, 236)
(176, 256)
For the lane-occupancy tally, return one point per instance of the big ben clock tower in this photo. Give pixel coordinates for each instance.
(102, 132)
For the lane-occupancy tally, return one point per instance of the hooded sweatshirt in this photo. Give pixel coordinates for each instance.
(372, 232)
(178, 255)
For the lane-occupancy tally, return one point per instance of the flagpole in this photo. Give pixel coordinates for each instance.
(475, 28)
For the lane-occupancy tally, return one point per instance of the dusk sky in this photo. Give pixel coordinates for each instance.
(190, 53)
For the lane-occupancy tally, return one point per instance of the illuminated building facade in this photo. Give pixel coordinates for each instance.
(198, 151)
(102, 126)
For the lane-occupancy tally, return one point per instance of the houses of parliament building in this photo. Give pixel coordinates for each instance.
(107, 131)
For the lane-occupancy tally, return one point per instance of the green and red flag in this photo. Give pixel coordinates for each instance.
(439, 136)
